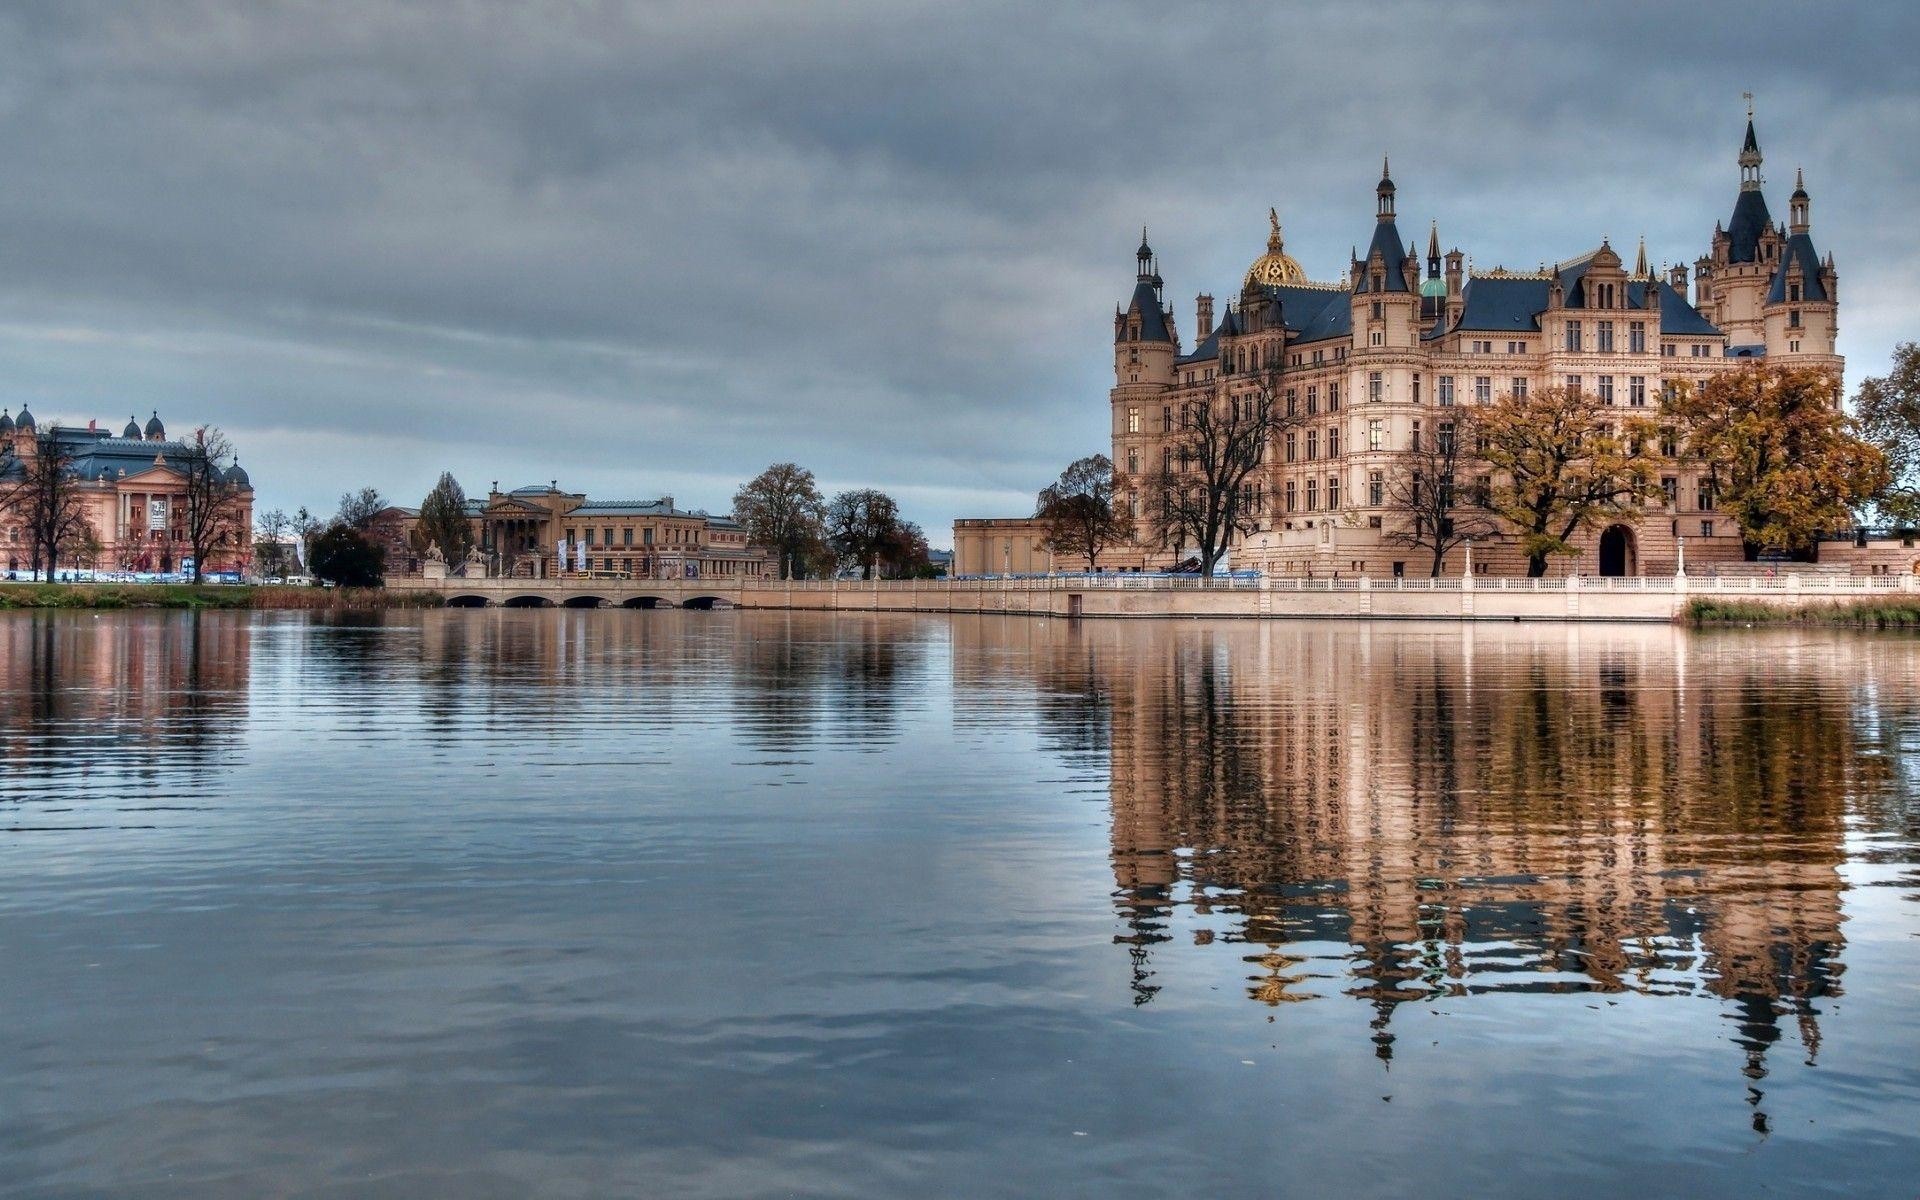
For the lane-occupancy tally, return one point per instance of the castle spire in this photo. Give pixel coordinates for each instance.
(1799, 205)
(1384, 192)
(1750, 153)
(1144, 255)
(1640, 263)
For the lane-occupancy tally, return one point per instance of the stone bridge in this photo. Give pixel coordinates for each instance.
(582, 592)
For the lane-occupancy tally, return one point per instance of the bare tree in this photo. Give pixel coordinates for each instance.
(1423, 492)
(781, 509)
(215, 499)
(864, 525)
(271, 530)
(359, 509)
(1079, 512)
(1202, 497)
(45, 492)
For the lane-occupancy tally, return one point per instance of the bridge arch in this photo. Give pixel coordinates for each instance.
(466, 600)
(706, 602)
(527, 601)
(646, 602)
(583, 602)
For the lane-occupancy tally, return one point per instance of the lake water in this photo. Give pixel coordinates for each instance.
(585, 904)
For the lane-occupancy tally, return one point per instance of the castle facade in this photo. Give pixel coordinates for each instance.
(1369, 365)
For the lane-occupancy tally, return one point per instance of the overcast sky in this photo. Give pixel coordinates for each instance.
(649, 249)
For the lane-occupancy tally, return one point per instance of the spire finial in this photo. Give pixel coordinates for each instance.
(1385, 171)
(1275, 241)
(1748, 97)
(1640, 263)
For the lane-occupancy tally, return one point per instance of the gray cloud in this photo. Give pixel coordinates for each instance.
(650, 249)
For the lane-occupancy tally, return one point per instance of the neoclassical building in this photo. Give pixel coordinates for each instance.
(132, 494)
(1370, 364)
(541, 532)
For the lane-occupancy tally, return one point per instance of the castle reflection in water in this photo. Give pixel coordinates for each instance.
(1407, 814)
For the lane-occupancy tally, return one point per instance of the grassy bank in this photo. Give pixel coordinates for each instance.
(183, 595)
(1891, 612)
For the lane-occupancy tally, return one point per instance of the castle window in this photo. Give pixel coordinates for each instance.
(1793, 347)
(1793, 292)
(1133, 420)
(1793, 319)
(1374, 431)
(1637, 337)
(1637, 391)
(1573, 335)
(1333, 441)
(1313, 494)
(1313, 444)
(1292, 402)
(1166, 460)
(1166, 419)
(1133, 460)
(1706, 529)
(1375, 385)
(1313, 399)
(1444, 437)
(1703, 497)
(1669, 350)
(1292, 447)
(1606, 296)
(1333, 491)
(1376, 489)
(1376, 310)
(1416, 389)
(1606, 389)
(1573, 383)
(1446, 391)
(1605, 331)
(1333, 397)
(1290, 496)
(1516, 347)
(1519, 387)
(1376, 338)
(1483, 389)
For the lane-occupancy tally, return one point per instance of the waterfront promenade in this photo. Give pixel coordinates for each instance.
(1573, 598)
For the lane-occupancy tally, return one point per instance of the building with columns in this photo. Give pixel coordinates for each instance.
(542, 532)
(132, 494)
(1371, 364)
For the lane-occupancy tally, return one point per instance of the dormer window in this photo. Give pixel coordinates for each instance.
(1793, 292)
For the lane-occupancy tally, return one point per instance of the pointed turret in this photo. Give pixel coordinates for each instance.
(1640, 261)
(1751, 220)
(1384, 269)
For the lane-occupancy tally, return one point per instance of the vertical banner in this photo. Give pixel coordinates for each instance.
(580, 556)
(560, 556)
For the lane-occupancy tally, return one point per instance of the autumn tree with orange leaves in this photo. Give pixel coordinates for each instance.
(1562, 463)
(1782, 455)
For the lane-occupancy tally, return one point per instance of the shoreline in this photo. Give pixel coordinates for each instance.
(120, 596)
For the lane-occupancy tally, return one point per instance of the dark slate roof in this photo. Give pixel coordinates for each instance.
(1386, 239)
(1317, 313)
(1799, 256)
(98, 455)
(1206, 351)
(1153, 318)
(628, 508)
(1759, 351)
(1750, 220)
(1514, 305)
(1752, 142)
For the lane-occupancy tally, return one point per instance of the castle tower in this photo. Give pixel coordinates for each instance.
(1801, 309)
(1734, 277)
(1145, 344)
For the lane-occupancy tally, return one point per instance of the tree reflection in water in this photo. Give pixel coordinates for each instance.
(1407, 816)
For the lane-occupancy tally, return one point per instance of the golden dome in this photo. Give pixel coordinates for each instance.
(1275, 266)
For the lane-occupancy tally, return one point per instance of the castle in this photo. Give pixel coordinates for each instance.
(1368, 365)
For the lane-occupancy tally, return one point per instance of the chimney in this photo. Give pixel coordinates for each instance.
(1203, 317)
(666, 501)
(92, 426)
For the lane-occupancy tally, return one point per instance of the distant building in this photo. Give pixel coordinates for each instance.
(1368, 365)
(133, 496)
(542, 532)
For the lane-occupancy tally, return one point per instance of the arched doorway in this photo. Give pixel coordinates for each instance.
(1616, 551)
